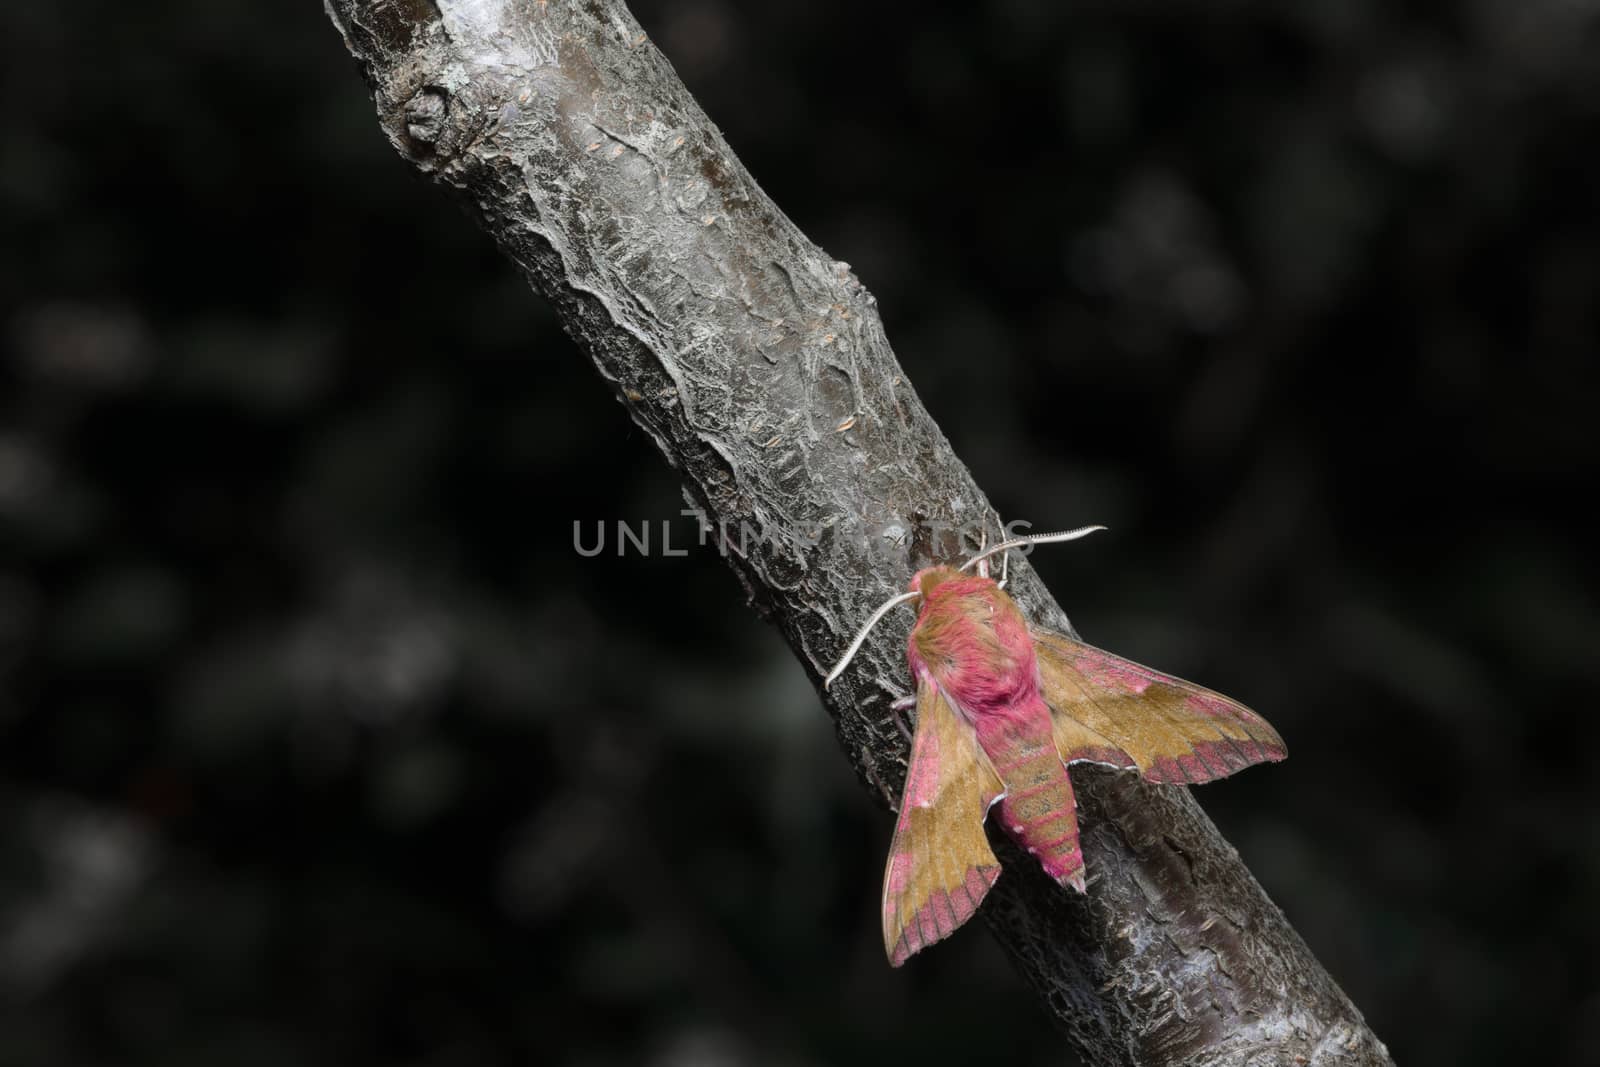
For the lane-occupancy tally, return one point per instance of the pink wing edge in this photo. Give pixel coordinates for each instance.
(945, 912)
(1261, 743)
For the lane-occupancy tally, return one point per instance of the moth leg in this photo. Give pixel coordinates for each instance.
(898, 707)
(888, 794)
(983, 564)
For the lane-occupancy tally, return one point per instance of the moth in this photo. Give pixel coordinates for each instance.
(1002, 709)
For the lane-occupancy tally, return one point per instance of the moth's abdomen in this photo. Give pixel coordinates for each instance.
(1039, 810)
(1045, 822)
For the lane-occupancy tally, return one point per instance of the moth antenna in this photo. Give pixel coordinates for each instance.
(855, 646)
(1032, 539)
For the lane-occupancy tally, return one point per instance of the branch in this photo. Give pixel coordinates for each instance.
(759, 367)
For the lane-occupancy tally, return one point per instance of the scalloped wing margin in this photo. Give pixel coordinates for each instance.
(940, 864)
(1106, 709)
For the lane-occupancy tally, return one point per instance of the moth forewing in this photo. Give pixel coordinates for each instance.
(1174, 731)
(940, 864)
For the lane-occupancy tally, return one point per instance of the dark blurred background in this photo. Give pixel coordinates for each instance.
(320, 745)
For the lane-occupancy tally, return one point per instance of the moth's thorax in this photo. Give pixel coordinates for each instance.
(972, 639)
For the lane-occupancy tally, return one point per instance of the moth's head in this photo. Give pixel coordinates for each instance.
(928, 579)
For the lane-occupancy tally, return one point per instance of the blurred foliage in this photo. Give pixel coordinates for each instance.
(319, 744)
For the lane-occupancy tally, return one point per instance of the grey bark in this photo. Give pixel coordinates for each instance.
(759, 367)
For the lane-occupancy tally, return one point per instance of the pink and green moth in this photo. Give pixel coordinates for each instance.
(1002, 709)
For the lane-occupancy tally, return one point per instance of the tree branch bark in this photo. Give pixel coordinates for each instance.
(759, 367)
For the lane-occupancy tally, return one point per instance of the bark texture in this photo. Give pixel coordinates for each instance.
(759, 367)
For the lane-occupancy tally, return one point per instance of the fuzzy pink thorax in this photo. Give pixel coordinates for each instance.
(974, 643)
